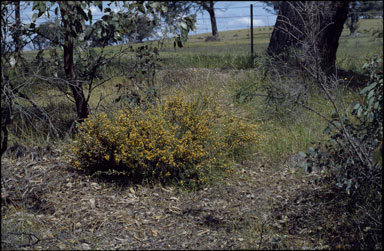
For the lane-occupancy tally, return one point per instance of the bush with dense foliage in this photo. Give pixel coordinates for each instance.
(176, 140)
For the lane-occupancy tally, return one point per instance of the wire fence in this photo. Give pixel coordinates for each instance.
(226, 19)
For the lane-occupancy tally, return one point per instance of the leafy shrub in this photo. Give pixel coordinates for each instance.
(352, 159)
(178, 140)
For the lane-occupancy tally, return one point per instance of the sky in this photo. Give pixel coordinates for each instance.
(230, 15)
(234, 15)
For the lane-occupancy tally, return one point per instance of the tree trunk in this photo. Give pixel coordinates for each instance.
(353, 24)
(335, 15)
(209, 7)
(17, 38)
(295, 26)
(69, 67)
(211, 12)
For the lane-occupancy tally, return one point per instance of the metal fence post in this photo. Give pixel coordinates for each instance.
(252, 35)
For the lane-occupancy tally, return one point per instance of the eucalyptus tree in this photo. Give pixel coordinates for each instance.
(73, 15)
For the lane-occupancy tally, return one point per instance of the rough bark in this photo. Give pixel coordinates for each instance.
(335, 14)
(293, 26)
(69, 67)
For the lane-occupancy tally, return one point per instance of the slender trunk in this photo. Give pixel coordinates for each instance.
(6, 96)
(5, 121)
(17, 38)
(209, 6)
(353, 25)
(69, 67)
(211, 12)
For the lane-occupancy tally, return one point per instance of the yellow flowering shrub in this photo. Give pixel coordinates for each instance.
(175, 140)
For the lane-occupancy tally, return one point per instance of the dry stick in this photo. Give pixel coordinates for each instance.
(261, 234)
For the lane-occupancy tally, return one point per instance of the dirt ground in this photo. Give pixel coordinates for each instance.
(46, 204)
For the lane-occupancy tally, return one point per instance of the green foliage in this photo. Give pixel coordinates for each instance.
(366, 132)
(353, 158)
(177, 141)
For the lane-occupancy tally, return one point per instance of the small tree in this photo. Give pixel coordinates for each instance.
(72, 16)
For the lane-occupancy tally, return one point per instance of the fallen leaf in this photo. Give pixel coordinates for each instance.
(92, 202)
(203, 232)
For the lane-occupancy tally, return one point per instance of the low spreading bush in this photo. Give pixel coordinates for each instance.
(176, 140)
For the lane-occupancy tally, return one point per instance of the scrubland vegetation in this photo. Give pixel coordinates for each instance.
(207, 152)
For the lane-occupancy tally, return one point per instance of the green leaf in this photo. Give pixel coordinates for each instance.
(154, 5)
(312, 151)
(302, 154)
(368, 88)
(327, 130)
(164, 8)
(184, 25)
(303, 165)
(356, 106)
(34, 17)
(370, 94)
